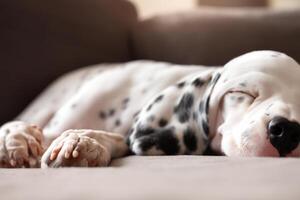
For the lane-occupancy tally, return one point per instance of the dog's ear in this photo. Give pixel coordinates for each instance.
(166, 124)
(205, 104)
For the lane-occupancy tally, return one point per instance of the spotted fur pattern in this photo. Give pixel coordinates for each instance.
(154, 104)
(175, 121)
(162, 109)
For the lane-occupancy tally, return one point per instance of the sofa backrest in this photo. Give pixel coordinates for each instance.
(214, 36)
(40, 40)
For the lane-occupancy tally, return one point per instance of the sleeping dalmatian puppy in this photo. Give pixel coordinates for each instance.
(250, 107)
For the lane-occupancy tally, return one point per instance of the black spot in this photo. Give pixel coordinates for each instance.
(240, 99)
(167, 142)
(147, 142)
(163, 140)
(216, 78)
(142, 131)
(213, 80)
(73, 106)
(209, 151)
(149, 107)
(7, 131)
(243, 84)
(159, 98)
(162, 122)
(102, 114)
(205, 127)
(136, 114)
(111, 112)
(198, 82)
(190, 140)
(151, 118)
(181, 84)
(183, 109)
(125, 101)
(117, 122)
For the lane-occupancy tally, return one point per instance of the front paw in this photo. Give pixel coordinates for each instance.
(74, 148)
(20, 145)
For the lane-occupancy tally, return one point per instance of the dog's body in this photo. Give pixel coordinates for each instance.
(160, 108)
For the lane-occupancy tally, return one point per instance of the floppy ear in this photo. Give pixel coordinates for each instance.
(204, 106)
(168, 124)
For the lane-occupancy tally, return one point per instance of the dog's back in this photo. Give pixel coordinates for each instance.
(103, 97)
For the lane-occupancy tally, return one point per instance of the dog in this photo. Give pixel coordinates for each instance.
(249, 107)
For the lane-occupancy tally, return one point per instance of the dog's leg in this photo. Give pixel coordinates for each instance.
(20, 140)
(84, 148)
(20, 145)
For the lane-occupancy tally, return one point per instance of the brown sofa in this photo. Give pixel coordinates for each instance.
(40, 40)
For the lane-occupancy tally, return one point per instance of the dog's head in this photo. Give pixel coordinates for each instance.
(254, 107)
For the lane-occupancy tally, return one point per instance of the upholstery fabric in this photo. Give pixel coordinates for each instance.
(40, 40)
(213, 36)
(164, 177)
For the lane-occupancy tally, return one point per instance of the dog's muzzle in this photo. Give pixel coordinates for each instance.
(284, 135)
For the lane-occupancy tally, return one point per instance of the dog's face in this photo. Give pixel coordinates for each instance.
(255, 106)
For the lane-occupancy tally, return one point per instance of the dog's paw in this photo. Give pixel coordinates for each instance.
(74, 148)
(20, 145)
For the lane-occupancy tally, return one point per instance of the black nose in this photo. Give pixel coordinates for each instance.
(284, 135)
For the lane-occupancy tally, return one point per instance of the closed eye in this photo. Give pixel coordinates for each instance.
(242, 93)
(237, 97)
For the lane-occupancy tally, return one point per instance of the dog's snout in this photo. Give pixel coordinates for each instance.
(284, 134)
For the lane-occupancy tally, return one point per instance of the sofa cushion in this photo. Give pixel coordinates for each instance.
(164, 177)
(214, 36)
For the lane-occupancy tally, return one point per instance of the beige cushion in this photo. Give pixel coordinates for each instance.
(174, 177)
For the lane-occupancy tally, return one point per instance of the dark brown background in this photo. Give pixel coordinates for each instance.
(40, 40)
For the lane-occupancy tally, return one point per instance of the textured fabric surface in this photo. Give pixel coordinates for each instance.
(214, 36)
(177, 177)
